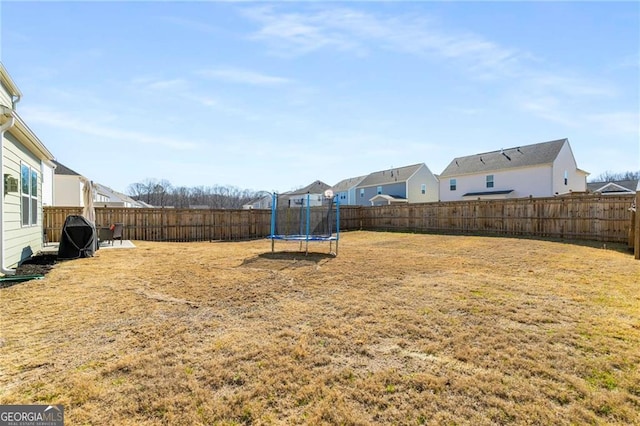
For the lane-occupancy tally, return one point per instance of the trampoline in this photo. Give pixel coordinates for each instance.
(305, 219)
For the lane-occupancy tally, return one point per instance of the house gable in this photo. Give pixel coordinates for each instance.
(402, 182)
(614, 187)
(510, 158)
(539, 170)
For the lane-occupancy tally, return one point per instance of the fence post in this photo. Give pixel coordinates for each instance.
(636, 237)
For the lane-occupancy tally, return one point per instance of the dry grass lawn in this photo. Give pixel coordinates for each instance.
(398, 329)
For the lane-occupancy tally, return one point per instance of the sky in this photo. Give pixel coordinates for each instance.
(273, 96)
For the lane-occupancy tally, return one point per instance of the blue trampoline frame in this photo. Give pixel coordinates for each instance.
(306, 237)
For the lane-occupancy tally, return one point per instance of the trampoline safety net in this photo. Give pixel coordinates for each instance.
(305, 218)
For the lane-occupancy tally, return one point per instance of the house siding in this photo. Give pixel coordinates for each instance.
(5, 97)
(576, 181)
(525, 182)
(20, 242)
(398, 189)
(423, 176)
(68, 191)
(347, 197)
(47, 184)
(301, 200)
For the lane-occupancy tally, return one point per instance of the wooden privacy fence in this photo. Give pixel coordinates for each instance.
(593, 217)
(159, 224)
(587, 217)
(634, 235)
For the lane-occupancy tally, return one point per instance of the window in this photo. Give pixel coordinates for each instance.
(361, 192)
(566, 177)
(452, 184)
(29, 195)
(423, 188)
(379, 190)
(489, 181)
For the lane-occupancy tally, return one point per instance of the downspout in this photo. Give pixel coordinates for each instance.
(6, 126)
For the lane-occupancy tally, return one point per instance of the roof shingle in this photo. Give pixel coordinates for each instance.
(522, 156)
(394, 175)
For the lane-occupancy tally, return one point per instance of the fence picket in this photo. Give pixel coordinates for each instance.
(589, 217)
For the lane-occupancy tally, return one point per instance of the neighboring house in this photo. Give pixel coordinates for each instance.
(24, 162)
(68, 186)
(107, 197)
(409, 184)
(345, 190)
(618, 187)
(68, 190)
(540, 170)
(298, 198)
(262, 201)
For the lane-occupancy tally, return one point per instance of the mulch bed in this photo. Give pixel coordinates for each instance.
(38, 264)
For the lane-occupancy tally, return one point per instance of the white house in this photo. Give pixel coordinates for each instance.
(345, 190)
(540, 170)
(619, 187)
(25, 161)
(314, 192)
(262, 201)
(107, 197)
(408, 184)
(68, 186)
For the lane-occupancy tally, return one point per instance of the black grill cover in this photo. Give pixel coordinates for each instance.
(78, 239)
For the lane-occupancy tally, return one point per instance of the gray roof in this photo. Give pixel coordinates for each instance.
(393, 175)
(347, 184)
(317, 187)
(521, 156)
(630, 185)
(61, 169)
(113, 194)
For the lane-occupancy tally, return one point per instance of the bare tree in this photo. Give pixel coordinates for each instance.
(137, 190)
(610, 176)
(162, 193)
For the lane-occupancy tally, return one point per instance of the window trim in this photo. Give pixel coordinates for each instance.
(453, 184)
(423, 188)
(30, 183)
(490, 181)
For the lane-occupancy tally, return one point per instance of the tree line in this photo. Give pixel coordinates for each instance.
(609, 176)
(161, 193)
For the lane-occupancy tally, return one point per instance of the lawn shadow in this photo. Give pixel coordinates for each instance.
(286, 259)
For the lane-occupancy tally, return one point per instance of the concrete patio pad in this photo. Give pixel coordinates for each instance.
(51, 248)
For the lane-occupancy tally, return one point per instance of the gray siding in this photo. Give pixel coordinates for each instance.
(397, 189)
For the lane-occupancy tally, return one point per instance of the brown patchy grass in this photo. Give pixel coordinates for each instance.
(399, 329)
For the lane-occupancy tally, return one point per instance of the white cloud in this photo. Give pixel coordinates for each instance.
(172, 85)
(621, 123)
(237, 75)
(189, 24)
(73, 123)
(571, 86)
(350, 30)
